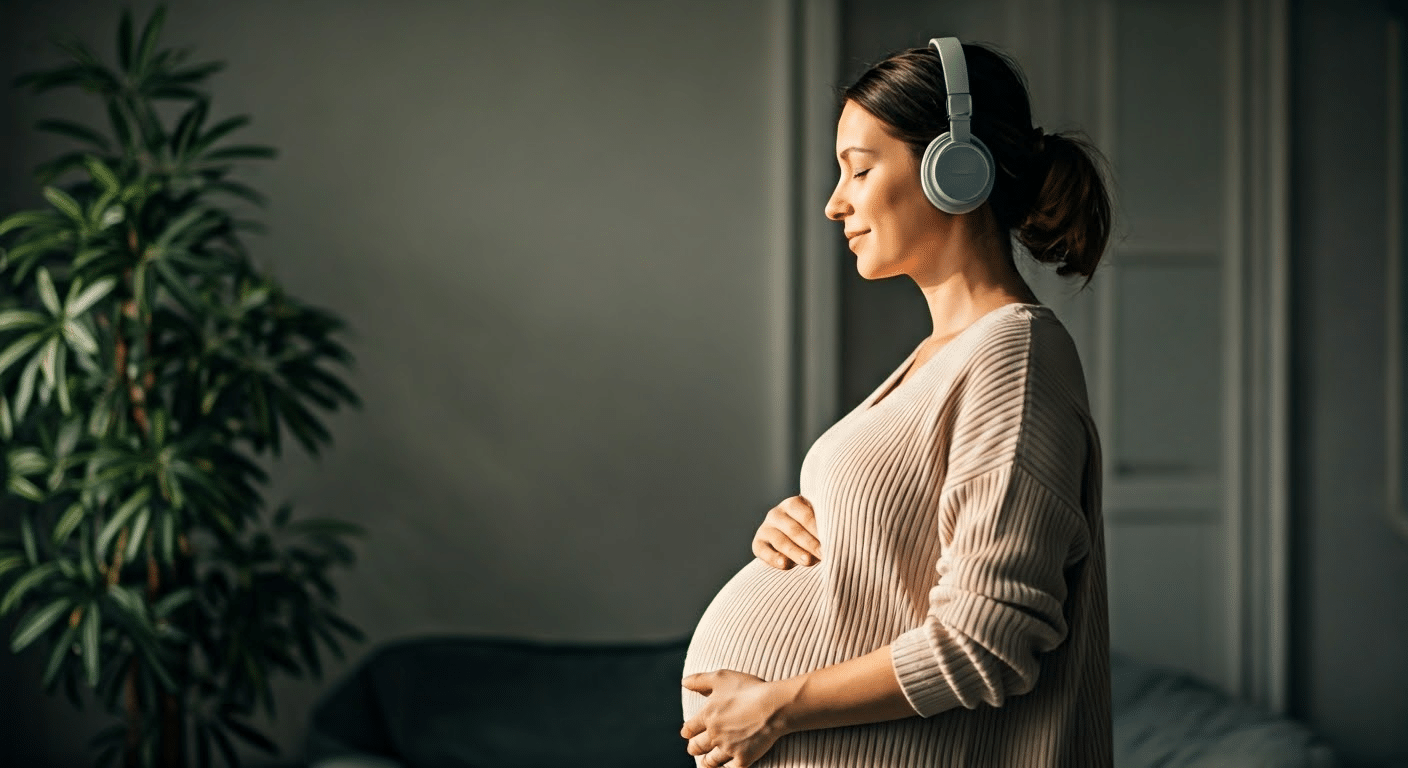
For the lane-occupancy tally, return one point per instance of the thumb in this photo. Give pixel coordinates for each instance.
(701, 682)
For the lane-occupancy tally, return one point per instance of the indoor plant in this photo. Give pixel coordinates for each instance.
(145, 364)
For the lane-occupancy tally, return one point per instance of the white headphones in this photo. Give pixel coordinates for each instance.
(957, 170)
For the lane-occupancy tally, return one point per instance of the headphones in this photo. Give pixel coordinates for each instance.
(957, 170)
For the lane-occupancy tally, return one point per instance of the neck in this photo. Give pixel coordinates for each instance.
(969, 273)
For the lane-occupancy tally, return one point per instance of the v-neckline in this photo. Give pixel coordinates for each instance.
(895, 381)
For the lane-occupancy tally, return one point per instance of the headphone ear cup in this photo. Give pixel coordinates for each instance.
(956, 176)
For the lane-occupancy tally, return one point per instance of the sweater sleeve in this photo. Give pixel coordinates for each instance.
(1010, 526)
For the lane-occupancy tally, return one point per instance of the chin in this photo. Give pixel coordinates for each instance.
(872, 271)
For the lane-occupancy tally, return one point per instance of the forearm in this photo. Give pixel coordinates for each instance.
(862, 690)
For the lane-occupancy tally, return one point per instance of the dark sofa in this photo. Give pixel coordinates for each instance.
(494, 702)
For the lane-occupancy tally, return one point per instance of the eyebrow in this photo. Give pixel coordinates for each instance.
(842, 154)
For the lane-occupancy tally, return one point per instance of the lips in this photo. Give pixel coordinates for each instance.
(851, 237)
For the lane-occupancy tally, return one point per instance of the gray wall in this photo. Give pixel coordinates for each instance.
(558, 230)
(1351, 572)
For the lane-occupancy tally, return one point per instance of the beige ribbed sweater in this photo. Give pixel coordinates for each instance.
(960, 522)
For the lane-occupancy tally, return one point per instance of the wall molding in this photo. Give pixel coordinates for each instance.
(814, 284)
(1396, 506)
(1259, 290)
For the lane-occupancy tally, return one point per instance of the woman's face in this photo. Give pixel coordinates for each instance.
(887, 220)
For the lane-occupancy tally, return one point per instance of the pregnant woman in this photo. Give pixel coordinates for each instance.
(935, 596)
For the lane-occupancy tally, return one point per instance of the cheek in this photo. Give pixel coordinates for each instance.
(898, 216)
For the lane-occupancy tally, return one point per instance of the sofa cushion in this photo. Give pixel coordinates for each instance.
(507, 703)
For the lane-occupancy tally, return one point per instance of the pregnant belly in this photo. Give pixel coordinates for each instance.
(764, 622)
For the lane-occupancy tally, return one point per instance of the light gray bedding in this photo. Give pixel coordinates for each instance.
(1168, 718)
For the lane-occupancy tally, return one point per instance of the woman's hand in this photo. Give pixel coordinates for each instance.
(740, 722)
(787, 536)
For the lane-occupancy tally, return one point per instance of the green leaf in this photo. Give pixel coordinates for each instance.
(86, 563)
(130, 602)
(139, 287)
(49, 170)
(53, 78)
(90, 643)
(13, 319)
(70, 432)
(112, 215)
(100, 419)
(217, 132)
(124, 41)
(179, 225)
(11, 562)
(27, 219)
(120, 124)
(239, 190)
(100, 288)
(148, 41)
(102, 173)
(176, 284)
(139, 531)
(25, 583)
(120, 518)
(195, 73)
(25, 488)
(26, 388)
(82, 55)
(47, 294)
(79, 337)
(158, 423)
(26, 461)
(167, 538)
(69, 522)
(61, 200)
(171, 601)
(7, 424)
(31, 543)
(186, 127)
(74, 131)
(61, 382)
(57, 655)
(49, 358)
(37, 623)
(18, 349)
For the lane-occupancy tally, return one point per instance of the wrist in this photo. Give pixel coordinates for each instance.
(789, 714)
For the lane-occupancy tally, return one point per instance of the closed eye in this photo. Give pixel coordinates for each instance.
(858, 174)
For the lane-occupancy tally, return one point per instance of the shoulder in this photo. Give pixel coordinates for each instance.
(1019, 397)
(1024, 352)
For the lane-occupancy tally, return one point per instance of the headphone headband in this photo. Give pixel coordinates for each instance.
(957, 171)
(960, 101)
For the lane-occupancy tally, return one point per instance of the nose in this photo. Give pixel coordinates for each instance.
(836, 207)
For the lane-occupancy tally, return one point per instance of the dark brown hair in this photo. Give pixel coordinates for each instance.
(1048, 186)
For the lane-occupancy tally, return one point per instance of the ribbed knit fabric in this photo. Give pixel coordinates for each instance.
(960, 522)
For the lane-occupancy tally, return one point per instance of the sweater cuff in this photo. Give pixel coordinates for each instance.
(921, 678)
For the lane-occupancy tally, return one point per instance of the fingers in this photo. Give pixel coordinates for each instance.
(764, 551)
(699, 682)
(787, 536)
(785, 518)
(711, 757)
(801, 510)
